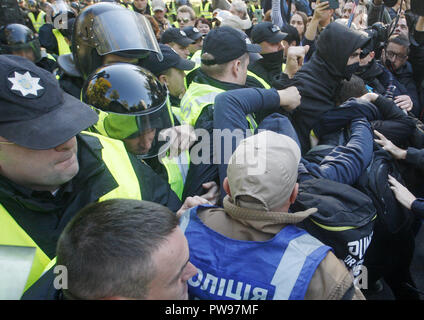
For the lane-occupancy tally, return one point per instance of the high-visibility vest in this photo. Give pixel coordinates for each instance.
(196, 57)
(116, 159)
(37, 22)
(278, 269)
(204, 10)
(62, 45)
(253, 7)
(195, 99)
(262, 81)
(172, 10)
(177, 169)
(199, 96)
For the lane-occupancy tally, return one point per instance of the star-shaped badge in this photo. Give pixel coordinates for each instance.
(25, 84)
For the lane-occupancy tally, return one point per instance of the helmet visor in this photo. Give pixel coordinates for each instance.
(130, 32)
(140, 132)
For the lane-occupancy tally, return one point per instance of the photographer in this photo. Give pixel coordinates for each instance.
(378, 12)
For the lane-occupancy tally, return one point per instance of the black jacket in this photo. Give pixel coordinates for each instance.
(268, 67)
(319, 79)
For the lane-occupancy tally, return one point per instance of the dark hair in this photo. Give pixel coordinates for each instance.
(107, 248)
(292, 34)
(304, 17)
(400, 40)
(204, 21)
(154, 24)
(354, 88)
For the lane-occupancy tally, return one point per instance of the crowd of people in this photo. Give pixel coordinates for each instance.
(247, 150)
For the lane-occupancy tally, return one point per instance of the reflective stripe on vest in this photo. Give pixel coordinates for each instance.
(177, 169)
(262, 81)
(253, 7)
(204, 10)
(199, 96)
(116, 158)
(177, 113)
(278, 269)
(195, 99)
(37, 23)
(12, 234)
(196, 58)
(172, 8)
(62, 45)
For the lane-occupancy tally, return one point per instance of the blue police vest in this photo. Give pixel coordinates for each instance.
(278, 269)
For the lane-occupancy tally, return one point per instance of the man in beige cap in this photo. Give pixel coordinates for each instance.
(250, 249)
(159, 12)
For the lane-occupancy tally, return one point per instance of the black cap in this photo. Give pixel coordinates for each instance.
(171, 59)
(226, 44)
(176, 35)
(193, 33)
(292, 34)
(35, 112)
(266, 31)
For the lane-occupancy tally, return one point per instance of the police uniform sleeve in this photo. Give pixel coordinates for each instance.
(153, 187)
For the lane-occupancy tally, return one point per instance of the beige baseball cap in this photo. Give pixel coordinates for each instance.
(158, 5)
(262, 172)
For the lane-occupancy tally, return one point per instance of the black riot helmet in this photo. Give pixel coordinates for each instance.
(16, 37)
(108, 28)
(32, 5)
(131, 104)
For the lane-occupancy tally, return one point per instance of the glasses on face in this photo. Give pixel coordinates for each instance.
(391, 55)
(185, 20)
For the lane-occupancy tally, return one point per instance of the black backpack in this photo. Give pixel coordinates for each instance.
(374, 182)
(392, 248)
(344, 220)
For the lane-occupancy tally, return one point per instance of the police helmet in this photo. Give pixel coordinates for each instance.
(108, 28)
(32, 5)
(16, 37)
(131, 102)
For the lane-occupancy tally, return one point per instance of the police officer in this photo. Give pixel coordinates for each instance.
(195, 48)
(36, 15)
(224, 61)
(133, 107)
(19, 40)
(49, 169)
(171, 72)
(109, 25)
(178, 40)
(55, 34)
(269, 37)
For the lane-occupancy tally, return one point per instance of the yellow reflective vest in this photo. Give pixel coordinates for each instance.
(62, 45)
(37, 22)
(199, 96)
(204, 10)
(116, 159)
(177, 169)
